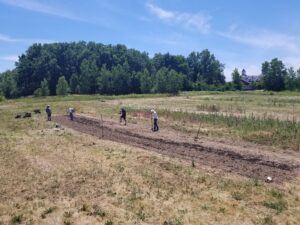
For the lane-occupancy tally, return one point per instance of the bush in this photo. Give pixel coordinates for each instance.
(44, 88)
(37, 92)
(62, 87)
(2, 98)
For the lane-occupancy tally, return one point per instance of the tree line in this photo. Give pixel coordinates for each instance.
(91, 68)
(274, 77)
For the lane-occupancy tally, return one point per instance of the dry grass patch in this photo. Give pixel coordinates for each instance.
(59, 176)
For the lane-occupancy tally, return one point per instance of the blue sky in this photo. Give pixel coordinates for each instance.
(241, 33)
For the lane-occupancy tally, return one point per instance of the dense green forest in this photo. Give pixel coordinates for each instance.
(90, 68)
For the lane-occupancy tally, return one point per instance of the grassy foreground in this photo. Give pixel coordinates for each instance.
(59, 176)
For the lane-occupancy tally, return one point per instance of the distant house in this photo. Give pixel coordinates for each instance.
(248, 80)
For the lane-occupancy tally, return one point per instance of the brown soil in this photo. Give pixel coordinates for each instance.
(235, 159)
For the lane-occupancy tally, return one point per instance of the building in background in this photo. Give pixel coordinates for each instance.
(248, 81)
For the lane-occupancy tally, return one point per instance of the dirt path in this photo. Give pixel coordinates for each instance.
(245, 162)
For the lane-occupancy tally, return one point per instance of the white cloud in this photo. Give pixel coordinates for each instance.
(198, 21)
(34, 5)
(7, 38)
(263, 39)
(11, 58)
(160, 13)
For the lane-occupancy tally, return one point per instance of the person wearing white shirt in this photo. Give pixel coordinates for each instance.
(154, 118)
(71, 113)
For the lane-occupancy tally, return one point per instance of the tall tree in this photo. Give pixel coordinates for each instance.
(74, 84)
(168, 81)
(62, 87)
(8, 84)
(174, 82)
(205, 67)
(236, 79)
(88, 76)
(44, 89)
(146, 81)
(290, 80)
(273, 74)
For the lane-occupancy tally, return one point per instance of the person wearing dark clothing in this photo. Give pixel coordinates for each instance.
(71, 113)
(49, 112)
(123, 115)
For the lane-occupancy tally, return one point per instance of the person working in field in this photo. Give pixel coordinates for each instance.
(71, 112)
(123, 115)
(49, 112)
(154, 119)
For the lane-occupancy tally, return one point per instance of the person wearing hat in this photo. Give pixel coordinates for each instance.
(123, 115)
(49, 112)
(154, 118)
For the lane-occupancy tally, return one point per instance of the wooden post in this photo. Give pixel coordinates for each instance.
(196, 138)
(102, 126)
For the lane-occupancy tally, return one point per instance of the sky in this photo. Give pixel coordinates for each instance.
(240, 33)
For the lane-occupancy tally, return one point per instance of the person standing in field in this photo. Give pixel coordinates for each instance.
(49, 112)
(123, 115)
(71, 112)
(154, 119)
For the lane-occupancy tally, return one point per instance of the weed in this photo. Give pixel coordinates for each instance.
(68, 214)
(268, 220)
(141, 214)
(111, 193)
(67, 222)
(47, 211)
(193, 164)
(108, 222)
(222, 209)
(279, 205)
(204, 207)
(256, 182)
(237, 195)
(173, 222)
(276, 194)
(134, 196)
(84, 208)
(16, 219)
(97, 211)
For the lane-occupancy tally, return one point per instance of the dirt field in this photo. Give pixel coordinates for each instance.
(236, 159)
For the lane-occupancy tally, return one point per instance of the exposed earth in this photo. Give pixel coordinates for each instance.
(245, 161)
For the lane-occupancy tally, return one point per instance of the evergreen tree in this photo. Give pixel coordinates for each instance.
(62, 87)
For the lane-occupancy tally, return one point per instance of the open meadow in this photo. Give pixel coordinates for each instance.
(206, 165)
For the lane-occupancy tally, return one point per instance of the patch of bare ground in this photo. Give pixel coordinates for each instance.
(234, 159)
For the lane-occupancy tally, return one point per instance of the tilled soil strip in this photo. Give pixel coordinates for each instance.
(249, 165)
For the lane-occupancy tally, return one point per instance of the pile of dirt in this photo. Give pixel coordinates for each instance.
(228, 159)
